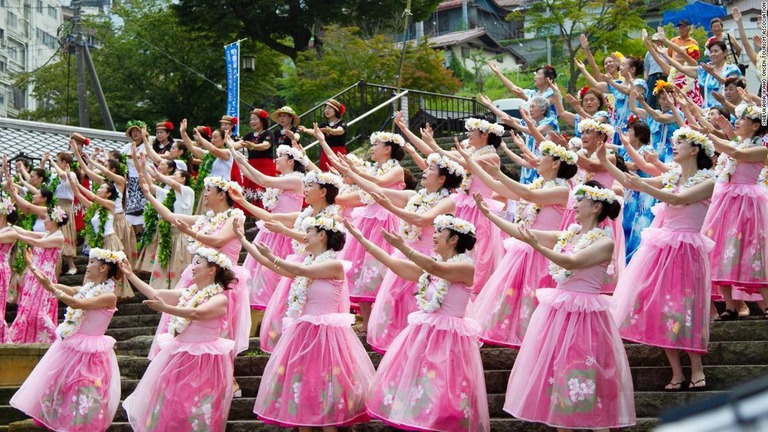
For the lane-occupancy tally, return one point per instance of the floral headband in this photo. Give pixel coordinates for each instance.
(443, 162)
(323, 178)
(751, 112)
(356, 161)
(295, 154)
(601, 114)
(453, 223)
(695, 138)
(215, 257)
(618, 55)
(575, 144)
(559, 152)
(662, 85)
(106, 255)
(603, 128)
(386, 137)
(483, 126)
(58, 214)
(322, 223)
(583, 91)
(222, 184)
(6, 206)
(595, 194)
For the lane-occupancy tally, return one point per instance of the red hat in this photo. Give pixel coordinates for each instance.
(164, 125)
(205, 131)
(338, 106)
(260, 112)
(80, 138)
(228, 119)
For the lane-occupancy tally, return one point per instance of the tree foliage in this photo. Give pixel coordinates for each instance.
(141, 81)
(292, 26)
(348, 58)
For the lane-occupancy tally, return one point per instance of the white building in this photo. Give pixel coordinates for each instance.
(28, 39)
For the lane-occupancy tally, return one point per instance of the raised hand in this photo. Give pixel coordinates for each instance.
(125, 267)
(156, 304)
(275, 227)
(264, 251)
(481, 204)
(393, 238)
(492, 168)
(238, 228)
(381, 199)
(527, 236)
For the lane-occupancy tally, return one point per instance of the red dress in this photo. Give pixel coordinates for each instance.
(262, 160)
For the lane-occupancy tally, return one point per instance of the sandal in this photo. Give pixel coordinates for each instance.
(728, 315)
(700, 385)
(675, 386)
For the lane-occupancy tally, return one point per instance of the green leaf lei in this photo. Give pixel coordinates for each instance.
(95, 238)
(205, 169)
(26, 221)
(164, 228)
(150, 226)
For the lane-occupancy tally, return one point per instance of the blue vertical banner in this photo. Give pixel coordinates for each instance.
(232, 59)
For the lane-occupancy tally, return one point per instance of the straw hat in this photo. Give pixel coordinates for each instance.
(168, 126)
(228, 119)
(134, 124)
(286, 110)
(260, 113)
(338, 106)
(79, 138)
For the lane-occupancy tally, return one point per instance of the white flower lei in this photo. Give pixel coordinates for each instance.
(476, 154)
(73, 318)
(299, 248)
(377, 170)
(192, 297)
(726, 165)
(270, 196)
(671, 178)
(210, 223)
(560, 274)
(419, 204)
(441, 287)
(525, 211)
(297, 297)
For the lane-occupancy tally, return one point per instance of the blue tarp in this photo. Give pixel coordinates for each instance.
(698, 13)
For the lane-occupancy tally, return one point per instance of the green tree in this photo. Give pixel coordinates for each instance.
(292, 26)
(152, 68)
(606, 24)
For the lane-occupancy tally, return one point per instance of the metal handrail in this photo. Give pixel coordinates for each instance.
(368, 113)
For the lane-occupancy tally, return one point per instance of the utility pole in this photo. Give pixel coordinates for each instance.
(84, 59)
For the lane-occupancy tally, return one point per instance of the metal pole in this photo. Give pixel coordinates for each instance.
(82, 95)
(407, 15)
(108, 124)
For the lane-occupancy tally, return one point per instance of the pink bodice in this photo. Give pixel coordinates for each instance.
(231, 248)
(604, 178)
(5, 252)
(375, 211)
(323, 296)
(477, 186)
(688, 218)
(585, 280)
(456, 298)
(202, 331)
(424, 243)
(288, 202)
(96, 321)
(549, 218)
(746, 173)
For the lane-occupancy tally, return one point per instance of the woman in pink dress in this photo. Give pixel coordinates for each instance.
(37, 314)
(188, 386)
(76, 385)
(737, 220)
(367, 274)
(575, 373)
(319, 372)
(505, 304)
(662, 299)
(320, 191)
(416, 211)
(8, 238)
(214, 229)
(283, 194)
(431, 378)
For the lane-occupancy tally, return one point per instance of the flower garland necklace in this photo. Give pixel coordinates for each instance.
(377, 170)
(476, 154)
(330, 211)
(560, 274)
(726, 165)
(73, 318)
(297, 296)
(420, 204)
(270, 196)
(527, 211)
(441, 287)
(211, 223)
(192, 297)
(671, 178)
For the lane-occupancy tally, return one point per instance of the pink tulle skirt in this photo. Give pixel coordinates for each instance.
(263, 281)
(737, 221)
(274, 323)
(187, 387)
(431, 378)
(237, 325)
(366, 272)
(574, 373)
(74, 387)
(317, 375)
(5, 283)
(489, 249)
(663, 297)
(506, 303)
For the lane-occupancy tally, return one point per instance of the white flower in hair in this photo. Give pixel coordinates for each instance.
(6, 205)
(575, 144)
(476, 124)
(323, 223)
(589, 124)
(58, 214)
(556, 151)
(751, 112)
(695, 138)
(443, 222)
(295, 154)
(222, 184)
(386, 137)
(595, 194)
(106, 255)
(214, 257)
(496, 129)
(323, 178)
(447, 163)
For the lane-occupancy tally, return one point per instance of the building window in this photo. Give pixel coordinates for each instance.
(47, 39)
(442, 23)
(13, 53)
(2, 67)
(465, 52)
(39, 6)
(52, 12)
(11, 20)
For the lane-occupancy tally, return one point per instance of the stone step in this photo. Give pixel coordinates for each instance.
(133, 321)
(130, 332)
